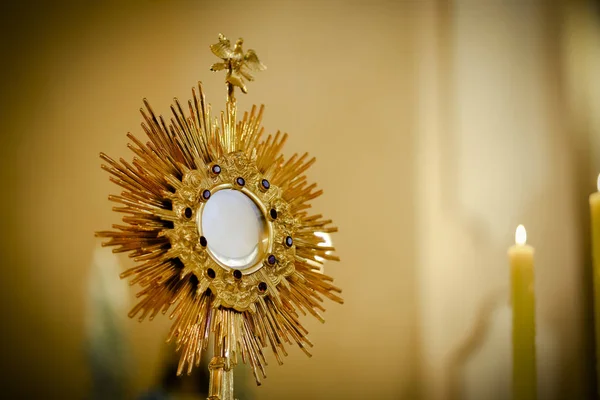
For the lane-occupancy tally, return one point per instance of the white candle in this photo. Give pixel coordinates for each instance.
(595, 228)
(523, 307)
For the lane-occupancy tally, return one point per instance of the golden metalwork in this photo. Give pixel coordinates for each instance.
(239, 65)
(163, 201)
(229, 291)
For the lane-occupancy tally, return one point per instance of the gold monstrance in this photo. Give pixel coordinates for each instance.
(219, 225)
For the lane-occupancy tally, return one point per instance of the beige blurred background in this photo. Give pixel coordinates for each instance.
(459, 119)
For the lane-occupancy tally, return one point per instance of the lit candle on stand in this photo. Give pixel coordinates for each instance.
(595, 228)
(523, 307)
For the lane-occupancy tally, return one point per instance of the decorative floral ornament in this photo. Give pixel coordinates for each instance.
(175, 178)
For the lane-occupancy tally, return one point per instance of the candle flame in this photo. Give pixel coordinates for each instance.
(598, 183)
(521, 235)
(326, 243)
(318, 262)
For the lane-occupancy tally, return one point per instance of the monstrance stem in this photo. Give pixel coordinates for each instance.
(220, 385)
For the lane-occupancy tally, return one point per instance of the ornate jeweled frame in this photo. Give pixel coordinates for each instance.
(233, 288)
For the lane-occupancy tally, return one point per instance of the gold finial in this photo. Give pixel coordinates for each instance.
(239, 65)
